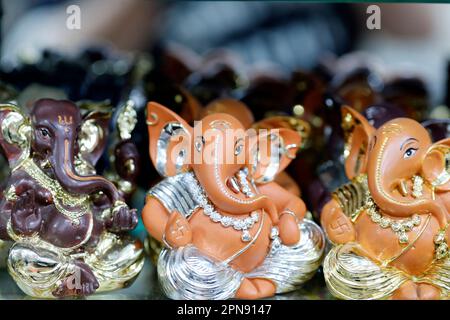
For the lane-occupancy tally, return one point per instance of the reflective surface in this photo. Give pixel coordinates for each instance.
(146, 287)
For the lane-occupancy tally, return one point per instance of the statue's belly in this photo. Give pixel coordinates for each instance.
(221, 243)
(62, 232)
(383, 245)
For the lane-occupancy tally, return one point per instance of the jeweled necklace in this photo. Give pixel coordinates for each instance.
(61, 198)
(245, 187)
(239, 224)
(399, 227)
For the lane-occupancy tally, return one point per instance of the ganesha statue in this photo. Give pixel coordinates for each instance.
(389, 224)
(228, 229)
(123, 157)
(68, 224)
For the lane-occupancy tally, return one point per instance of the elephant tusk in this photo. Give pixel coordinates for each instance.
(403, 188)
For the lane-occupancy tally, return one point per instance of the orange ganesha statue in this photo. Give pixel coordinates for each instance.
(389, 224)
(228, 229)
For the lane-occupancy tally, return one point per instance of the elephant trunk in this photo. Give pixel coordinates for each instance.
(65, 173)
(214, 180)
(379, 187)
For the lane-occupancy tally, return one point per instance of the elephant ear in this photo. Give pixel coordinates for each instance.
(15, 133)
(169, 140)
(436, 165)
(271, 151)
(191, 108)
(357, 135)
(231, 106)
(288, 122)
(93, 135)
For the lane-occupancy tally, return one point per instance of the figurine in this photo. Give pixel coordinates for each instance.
(7, 93)
(240, 111)
(229, 230)
(123, 161)
(389, 224)
(67, 223)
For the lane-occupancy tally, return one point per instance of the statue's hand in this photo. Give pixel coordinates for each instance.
(338, 227)
(25, 218)
(289, 230)
(178, 232)
(125, 219)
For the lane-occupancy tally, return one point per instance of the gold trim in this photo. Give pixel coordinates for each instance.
(405, 249)
(155, 119)
(443, 178)
(61, 198)
(352, 197)
(127, 120)
(16, 130)
(16, 237)
(35, 238)
(10, 194)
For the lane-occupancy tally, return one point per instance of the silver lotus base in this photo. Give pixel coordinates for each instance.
(146, 287)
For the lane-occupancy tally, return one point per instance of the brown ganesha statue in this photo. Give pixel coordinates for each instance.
(67, 223)
(389, 224)
(228, 229)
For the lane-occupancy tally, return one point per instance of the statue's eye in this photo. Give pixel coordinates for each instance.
(238, 147)
(409, 153)
(199, 143)
(44, 132)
